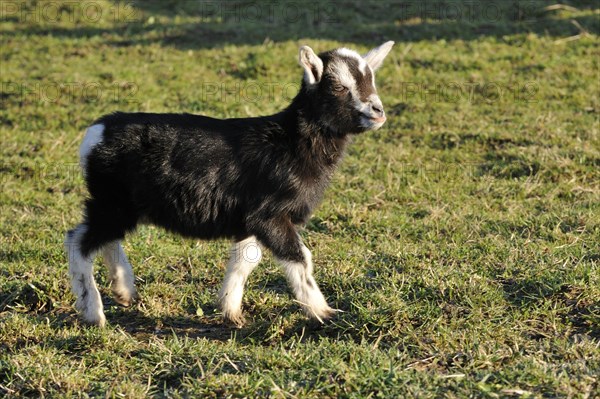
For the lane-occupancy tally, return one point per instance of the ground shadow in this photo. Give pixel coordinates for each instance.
(142, 326)
(581, 314)
(218, 24)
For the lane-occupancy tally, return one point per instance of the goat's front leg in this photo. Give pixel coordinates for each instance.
(245, 256)
(283, 240)
(121, 273)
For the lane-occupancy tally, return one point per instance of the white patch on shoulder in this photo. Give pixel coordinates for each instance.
(93, 136)
(362, 64)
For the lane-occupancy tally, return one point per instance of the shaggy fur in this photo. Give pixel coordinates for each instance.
(254, 180)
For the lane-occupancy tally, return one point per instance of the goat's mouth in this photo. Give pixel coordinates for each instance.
(372, 122)
(375, 119)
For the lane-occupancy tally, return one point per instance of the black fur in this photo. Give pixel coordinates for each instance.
(208, 178)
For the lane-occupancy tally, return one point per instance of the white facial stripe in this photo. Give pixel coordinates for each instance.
(362, 64)
(365, 107)
(342, 72)
(374, 98)
(372, 76)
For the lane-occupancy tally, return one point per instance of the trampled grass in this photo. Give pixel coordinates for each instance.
(462, 240)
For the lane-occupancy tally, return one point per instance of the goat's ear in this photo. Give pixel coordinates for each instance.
(376, 56)
(312, 64)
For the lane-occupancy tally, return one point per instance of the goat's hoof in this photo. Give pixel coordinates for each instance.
(125, 300)
(323, 315)
(98, 320)
(236, 320)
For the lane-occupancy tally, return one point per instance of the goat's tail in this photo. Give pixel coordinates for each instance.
(94, 135)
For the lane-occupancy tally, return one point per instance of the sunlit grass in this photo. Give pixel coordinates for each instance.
(461, 240)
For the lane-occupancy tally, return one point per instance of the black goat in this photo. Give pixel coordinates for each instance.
(255, 180)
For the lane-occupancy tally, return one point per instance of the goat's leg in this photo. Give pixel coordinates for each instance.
(299, 274)
(89, 303)
(245, 256)
(121, 273)
(107, 219)
(282, 238)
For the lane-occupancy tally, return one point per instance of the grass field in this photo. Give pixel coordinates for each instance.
(462, 240)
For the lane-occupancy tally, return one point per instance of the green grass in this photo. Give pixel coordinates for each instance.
(462, 240)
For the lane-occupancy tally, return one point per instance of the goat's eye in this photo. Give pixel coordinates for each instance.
(339, 88)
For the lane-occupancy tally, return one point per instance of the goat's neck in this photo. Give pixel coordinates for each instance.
(312, 139)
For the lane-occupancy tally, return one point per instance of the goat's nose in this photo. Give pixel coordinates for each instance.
(378, 109)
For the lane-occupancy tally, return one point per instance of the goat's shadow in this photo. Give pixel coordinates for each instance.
(143, 328)
(264, 331)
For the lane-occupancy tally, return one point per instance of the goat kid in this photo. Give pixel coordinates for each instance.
(254, 180)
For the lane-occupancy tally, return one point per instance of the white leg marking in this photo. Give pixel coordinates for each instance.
(93, 136)
(121, 273)
(89, 303)
(305, 288)
(245, 256)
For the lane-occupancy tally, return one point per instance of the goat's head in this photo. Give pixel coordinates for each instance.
(341, 87)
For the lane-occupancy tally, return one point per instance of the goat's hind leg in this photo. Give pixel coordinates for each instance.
(121, 273)
(89, 303)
